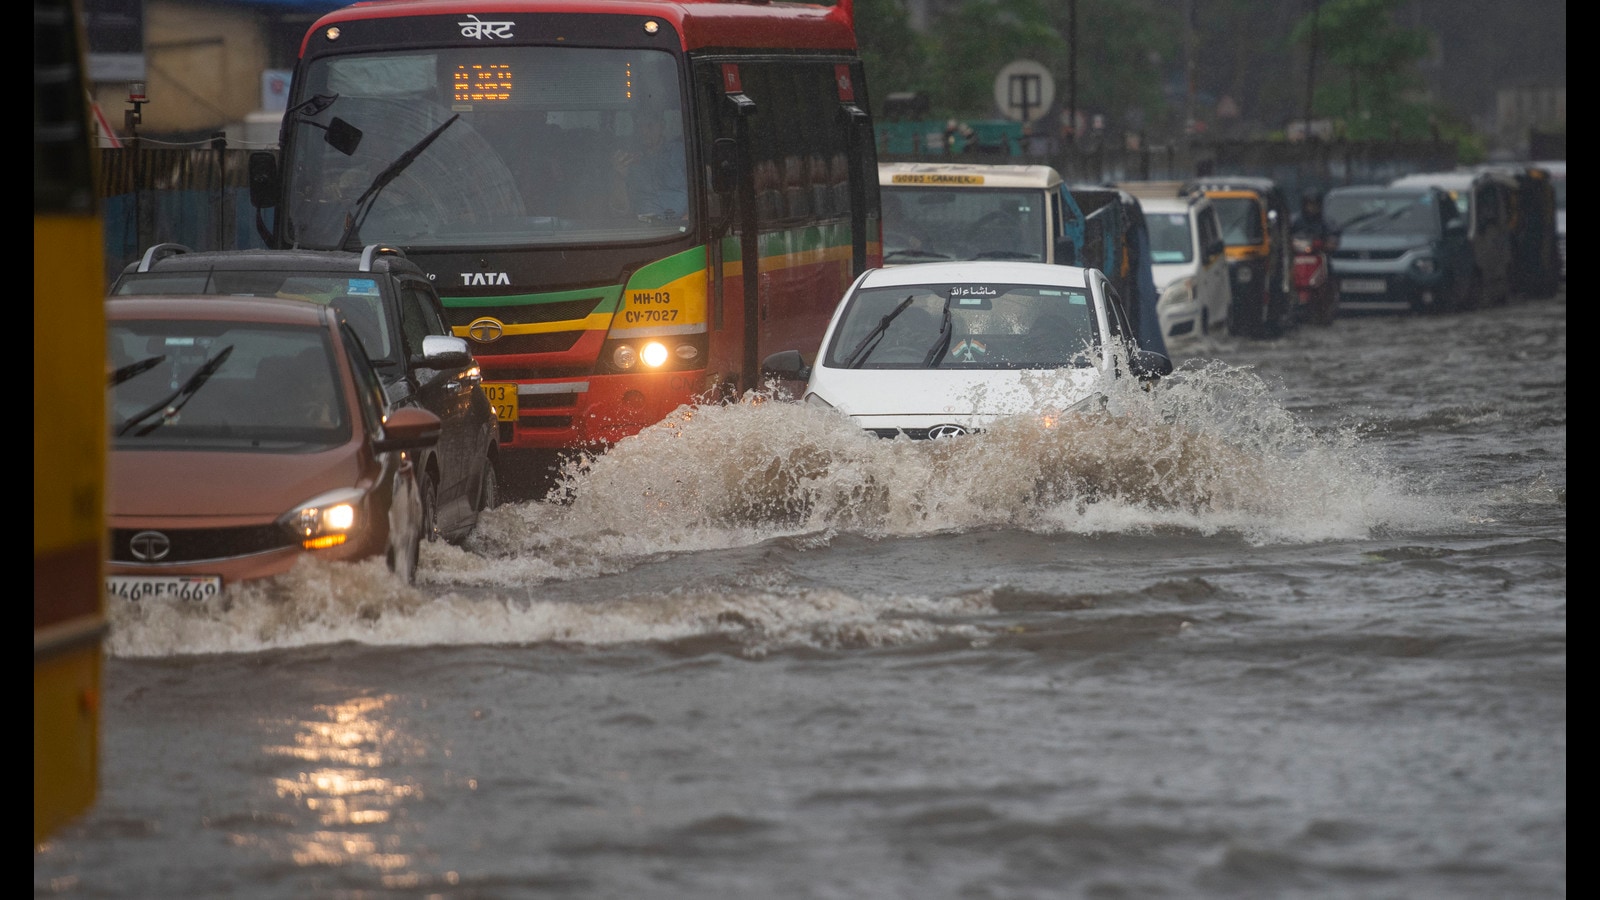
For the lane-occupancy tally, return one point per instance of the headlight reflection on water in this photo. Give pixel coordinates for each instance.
(345, 748)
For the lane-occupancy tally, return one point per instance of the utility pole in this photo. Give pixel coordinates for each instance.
(1311, 68)
(1072, 69)
(1188, 68)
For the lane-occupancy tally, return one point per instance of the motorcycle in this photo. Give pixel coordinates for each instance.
(1315, 290)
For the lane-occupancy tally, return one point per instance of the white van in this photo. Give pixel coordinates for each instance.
(1187, 259)
(945, 211)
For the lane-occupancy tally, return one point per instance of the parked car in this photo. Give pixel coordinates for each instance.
(246, 436)
(1254, 214)
(1401, 249)
(397, 313)
(1484, 201)
(1188, 260)
(943, 349)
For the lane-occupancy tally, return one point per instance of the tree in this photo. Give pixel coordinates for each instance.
(1371, 79)
(892, 53)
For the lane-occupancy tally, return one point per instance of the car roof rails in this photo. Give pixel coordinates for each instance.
(159, 252)
(373, 251)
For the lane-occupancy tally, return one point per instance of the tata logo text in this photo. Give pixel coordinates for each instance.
(474, 279)
(486, 329)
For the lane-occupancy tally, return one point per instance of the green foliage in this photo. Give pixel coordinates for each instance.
(1367, 73)
(894, 55)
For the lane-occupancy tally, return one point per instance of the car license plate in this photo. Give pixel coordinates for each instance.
(503, 397)
(1364, 286)
(163, 587)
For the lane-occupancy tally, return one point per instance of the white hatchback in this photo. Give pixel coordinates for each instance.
(940, 349)
(1189, 264)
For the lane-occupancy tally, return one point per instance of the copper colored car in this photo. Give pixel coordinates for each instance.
(244, 436)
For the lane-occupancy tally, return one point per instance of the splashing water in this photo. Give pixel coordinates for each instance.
(1207, 451)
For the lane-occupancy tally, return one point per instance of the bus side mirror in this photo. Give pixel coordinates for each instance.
(264, 183)
(724, 165)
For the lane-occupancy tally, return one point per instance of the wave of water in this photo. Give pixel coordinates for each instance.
(1208, 452)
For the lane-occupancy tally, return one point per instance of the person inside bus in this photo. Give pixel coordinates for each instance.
(652, 174)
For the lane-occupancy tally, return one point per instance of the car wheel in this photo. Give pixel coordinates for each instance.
(489, 487)
(430, 506)
(405, 535)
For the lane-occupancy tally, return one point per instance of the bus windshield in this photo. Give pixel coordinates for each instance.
(478, 148)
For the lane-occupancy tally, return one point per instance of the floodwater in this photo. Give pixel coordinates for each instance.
(1292, 625)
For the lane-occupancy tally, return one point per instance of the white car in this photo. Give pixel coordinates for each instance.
(1189, 263)
(940, 349)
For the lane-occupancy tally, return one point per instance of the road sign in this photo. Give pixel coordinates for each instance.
(1024, 90)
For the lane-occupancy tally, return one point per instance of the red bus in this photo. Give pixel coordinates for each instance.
(624, 203)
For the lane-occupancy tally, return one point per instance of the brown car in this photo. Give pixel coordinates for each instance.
(246, 435)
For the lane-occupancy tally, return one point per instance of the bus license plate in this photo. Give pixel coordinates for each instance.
(163, 587)
(1364, 286)
(503, 397)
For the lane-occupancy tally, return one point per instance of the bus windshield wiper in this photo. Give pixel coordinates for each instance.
(173, 402)
(864, 349)
(368, 197)
(942, 345)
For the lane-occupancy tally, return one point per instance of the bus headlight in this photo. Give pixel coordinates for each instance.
(624, 357)
(654, 354)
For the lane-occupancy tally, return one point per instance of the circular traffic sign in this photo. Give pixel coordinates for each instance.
(1024, 90)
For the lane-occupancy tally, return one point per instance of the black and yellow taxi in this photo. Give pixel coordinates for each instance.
(1255, 217)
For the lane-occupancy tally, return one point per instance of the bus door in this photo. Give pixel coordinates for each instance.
(793, 200)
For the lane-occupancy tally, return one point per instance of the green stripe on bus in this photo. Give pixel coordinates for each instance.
(611, 294)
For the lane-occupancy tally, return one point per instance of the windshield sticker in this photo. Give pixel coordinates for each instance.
(972, 293)
(364, 287)
(1166, 256)
(969, 350)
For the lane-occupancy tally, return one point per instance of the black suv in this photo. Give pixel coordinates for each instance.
(394, 309)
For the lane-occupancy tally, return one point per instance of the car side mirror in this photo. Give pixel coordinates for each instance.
(1456, 225)
(786, 364)
(441, 351)
(1148, 364)
(264, 182)
(408, 428)
(724, 165)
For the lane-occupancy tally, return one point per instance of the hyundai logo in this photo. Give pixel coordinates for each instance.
(945, 431)
(485, 330)
(150, 546)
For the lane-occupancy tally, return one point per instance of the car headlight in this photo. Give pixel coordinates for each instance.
(1425, 265)
(327, 520)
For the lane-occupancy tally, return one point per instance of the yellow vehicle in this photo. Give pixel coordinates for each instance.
(1254, 215)
(69, 426)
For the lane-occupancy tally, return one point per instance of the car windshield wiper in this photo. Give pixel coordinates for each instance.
(173, 402)
(864, 349)
(365, 202)
(135, 368)
(920, 254)
(942, 345)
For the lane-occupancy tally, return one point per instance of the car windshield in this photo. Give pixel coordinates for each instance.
(1171, 240)
(541, 145)
(991, 326)
(197, 385)
(359, 297)
(1240, 218)
(1396, 212)
(922, 224)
